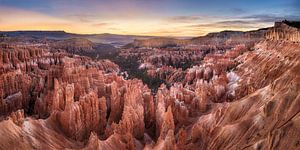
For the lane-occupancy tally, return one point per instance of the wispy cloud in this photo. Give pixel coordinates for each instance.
(228, 24)
(83, 17)
(270, 17)
(103, 24)
(237, 11)
(183, 19)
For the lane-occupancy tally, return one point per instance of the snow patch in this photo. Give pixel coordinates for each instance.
(233, 82)
(145, 65)
(13, 96)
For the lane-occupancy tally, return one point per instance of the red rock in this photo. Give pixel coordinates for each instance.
(103, 114)
(282, 31)
(18, 117)
(149, 110)
(167, 125)
(115, 141)
(233, 99)
(81, 117)
(116, 104)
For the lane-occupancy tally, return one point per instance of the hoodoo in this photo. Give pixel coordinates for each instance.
(227, 90)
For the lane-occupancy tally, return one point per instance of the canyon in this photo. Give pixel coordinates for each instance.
(225, 90)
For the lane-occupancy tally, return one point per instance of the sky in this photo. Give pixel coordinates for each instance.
(145, 17)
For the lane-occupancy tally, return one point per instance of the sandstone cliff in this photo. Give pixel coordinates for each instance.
(282, 31)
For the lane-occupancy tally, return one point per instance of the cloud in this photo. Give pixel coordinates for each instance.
(267, 18)
(83, 17)
(177, 30)
(237, 11)
(183, 19)
(243, 23)
(239, 24)
(102, 24)
(174, 33)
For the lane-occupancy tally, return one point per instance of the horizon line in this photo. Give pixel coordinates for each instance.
(147, 35)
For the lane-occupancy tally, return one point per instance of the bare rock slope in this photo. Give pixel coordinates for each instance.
(240, 99)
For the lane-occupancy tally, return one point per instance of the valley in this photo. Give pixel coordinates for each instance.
(224, 90)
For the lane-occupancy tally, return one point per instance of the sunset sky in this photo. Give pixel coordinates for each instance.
(145, 17)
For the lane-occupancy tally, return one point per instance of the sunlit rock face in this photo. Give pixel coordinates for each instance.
(258, 89)
(241, 98)
(282, 31)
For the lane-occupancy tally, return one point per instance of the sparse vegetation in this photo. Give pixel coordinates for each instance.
(131, 66)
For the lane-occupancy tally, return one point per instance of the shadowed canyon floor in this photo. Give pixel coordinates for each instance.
(227, 90)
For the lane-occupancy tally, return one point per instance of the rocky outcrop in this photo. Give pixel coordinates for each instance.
(18, 117)
(80, 118)
(283, 31)
(115, 141)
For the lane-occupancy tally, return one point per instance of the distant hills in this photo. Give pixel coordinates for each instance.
(217, 38)
(135, 40)
(106, 38)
